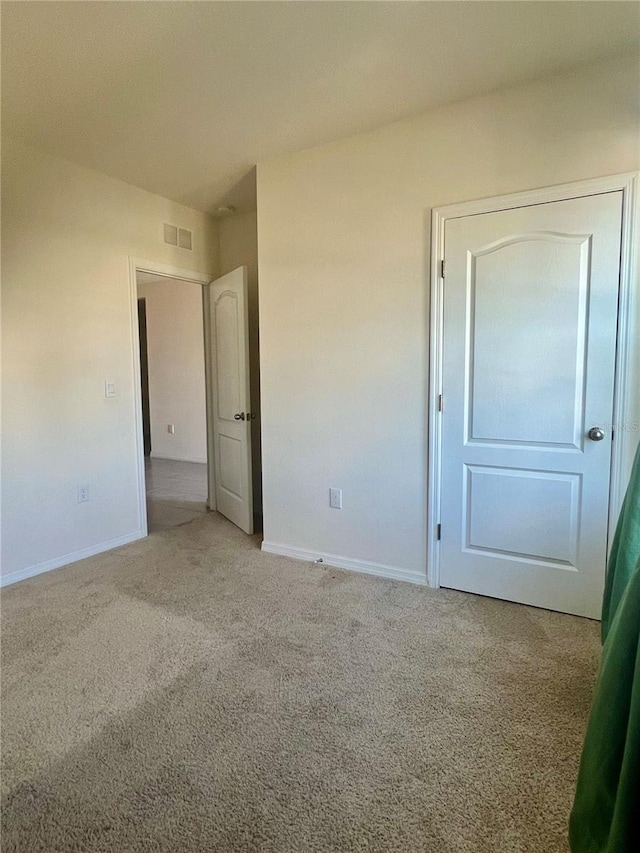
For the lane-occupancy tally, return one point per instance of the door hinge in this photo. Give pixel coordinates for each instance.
(442, 268)
(439, 402)
(438, 532)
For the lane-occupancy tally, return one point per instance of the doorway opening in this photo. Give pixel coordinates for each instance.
(193, 378)
(173, 396)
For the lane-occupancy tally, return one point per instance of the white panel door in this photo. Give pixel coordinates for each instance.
(530, 312)
(229, 373)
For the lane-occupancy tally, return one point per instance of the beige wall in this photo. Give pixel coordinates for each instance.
(67, 234)
(175, 346)
(343, 234)
(239, 247)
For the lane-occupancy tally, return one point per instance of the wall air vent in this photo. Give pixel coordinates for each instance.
(184, 238)
(170, 234)
(174, 236)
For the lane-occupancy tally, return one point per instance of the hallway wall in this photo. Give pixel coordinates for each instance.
(175, 346)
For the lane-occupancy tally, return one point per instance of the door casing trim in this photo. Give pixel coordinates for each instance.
(137, 265)
(627, 345)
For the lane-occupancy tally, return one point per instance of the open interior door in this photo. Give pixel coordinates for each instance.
(230, 477)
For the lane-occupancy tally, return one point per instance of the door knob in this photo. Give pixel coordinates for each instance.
(239, 416)
(596, 434)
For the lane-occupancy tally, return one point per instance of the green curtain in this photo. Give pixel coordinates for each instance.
(606, 810)
(625, 550)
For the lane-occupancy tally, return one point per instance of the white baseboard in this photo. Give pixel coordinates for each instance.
(347, 563)
(73, 557)
(178, 458)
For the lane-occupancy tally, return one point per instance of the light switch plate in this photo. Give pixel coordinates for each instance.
(335, 498)
(109, 388)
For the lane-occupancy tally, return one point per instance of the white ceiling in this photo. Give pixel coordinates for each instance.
(183, 98)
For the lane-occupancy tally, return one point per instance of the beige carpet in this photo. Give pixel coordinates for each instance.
(189, 693)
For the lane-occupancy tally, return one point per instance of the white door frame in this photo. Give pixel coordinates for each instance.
(627, 350)
(137, 265)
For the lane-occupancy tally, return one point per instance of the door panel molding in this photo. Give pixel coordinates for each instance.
(471, 534)
(627, 349)
(576, 428)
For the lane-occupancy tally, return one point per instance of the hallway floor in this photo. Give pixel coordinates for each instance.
(176, 492)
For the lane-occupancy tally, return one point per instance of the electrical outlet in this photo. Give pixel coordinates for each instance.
(171, 429)
(83, 493)
(335, 498)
